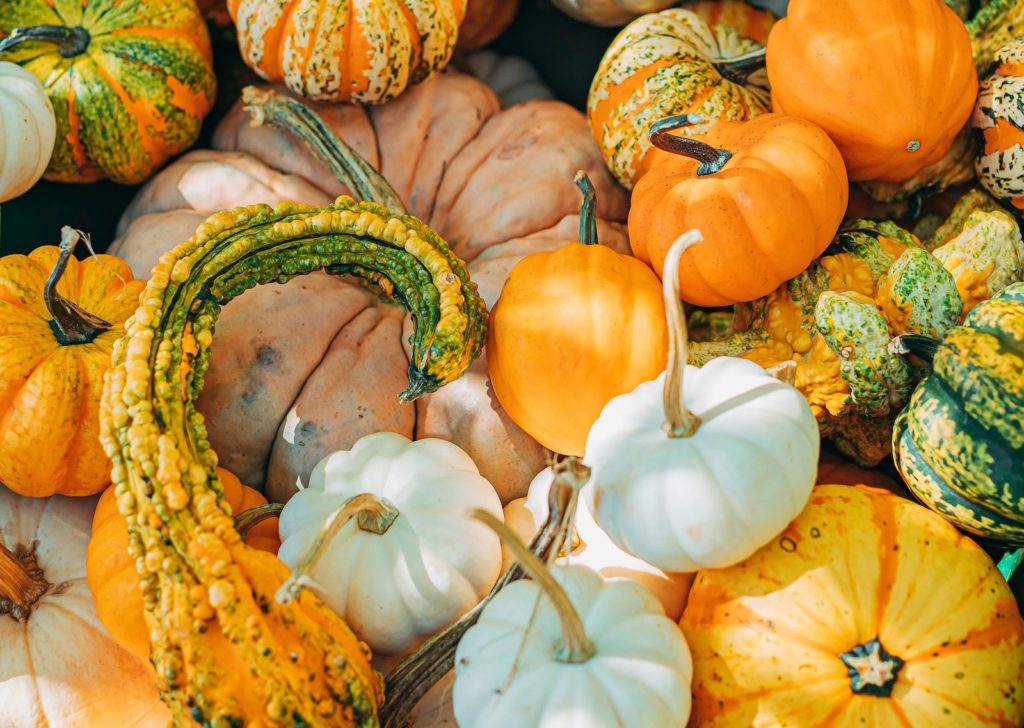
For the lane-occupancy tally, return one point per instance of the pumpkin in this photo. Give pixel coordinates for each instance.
(665, 64)
(995, 24)
(58, 664)
(688, 489)
(998, 121)
(739, 185)
(834, 469)
(492, 182)
(750, 21)
(954, 168)
(960, 442)
(569, 648)
(867, 610)
(609, 13)
(553, 374)
(130, 81)
(58, 321)
(111, 571)
(27, 130)
(485, 20)
(588, 545)
(408, 559)
(513, 79)
(366, 53)
(209, 598)
(875, 46)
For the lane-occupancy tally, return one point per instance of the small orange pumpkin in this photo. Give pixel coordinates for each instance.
(767, 195)
(572, 329)
(891, 81)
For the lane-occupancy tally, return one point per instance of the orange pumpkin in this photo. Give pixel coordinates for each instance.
(835, 469)
(111, 570)
(767, 194)
(891, 81)
(485, 20)
(571, 329)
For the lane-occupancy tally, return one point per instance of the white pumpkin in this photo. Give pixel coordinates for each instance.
(700, 471)
(59, 667)
(590, 546)
(567, 648)
(27, 130)
(512, 78)
(610, 13)
(412, 560)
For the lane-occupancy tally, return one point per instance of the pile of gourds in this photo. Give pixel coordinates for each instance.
(528, 404)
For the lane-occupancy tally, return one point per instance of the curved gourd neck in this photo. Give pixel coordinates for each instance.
(70, 41)
(252, 517)
(739, 68)
(711, 160)
(21, 583)
(588, 209)
(70, 323)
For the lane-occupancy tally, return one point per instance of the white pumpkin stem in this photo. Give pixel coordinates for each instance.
(21, 583)
(679, 421)
(576, 646)
(372, 514)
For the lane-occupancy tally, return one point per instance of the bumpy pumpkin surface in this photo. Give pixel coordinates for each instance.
(867, 610)
(997, 23)
(130, 81)
(999, 119)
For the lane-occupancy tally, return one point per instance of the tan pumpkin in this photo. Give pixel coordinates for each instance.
(491, 181)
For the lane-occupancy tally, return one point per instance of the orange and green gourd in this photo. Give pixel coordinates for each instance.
(130, 81)
(210, 599)
(997, 126)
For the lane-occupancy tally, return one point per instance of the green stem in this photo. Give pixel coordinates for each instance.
(1009, 563)
(347, 166)
(739, 68)
(251, 517)
(70, 323)
(679, 421)
(588, 209)
(922, 346)
(70, 42)
(711, 160)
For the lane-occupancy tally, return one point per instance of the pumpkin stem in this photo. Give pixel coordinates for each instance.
(739, 68)
(347, 166)
(576, 646)
(372, 514)
(1009, 562)
(21, 582)
(588, 209)
(872, 670)
(70, 323)
(711, 160)
(251, 517)
(679, 421)
(922, 346)
(70, 41)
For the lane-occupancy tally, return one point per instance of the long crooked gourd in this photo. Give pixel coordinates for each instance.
(209, 598)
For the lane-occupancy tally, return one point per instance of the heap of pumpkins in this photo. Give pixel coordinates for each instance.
(449, 343)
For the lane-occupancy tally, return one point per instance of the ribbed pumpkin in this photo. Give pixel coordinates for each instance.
(868, 610)
(363, 52)
(27, 130)
(58, 321)
(669, 63)
(959, 444)
(891, 81)
(997, 117)
(130, 80)
(113, 580)
(485, 20)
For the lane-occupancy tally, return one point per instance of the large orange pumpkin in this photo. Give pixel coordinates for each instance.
(891, 81)
(767, 194)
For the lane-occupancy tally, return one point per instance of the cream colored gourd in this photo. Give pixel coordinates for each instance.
(59, 667)
(699, 471)
(590, 546)
(411, 560)
(567, 648)
(27, 130)
(610, 13)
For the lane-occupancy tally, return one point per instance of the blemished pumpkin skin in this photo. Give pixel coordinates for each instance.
(113, 580)
(130, 81)
(485, 20)
(868, 610)
(663, 64)
(27, 130)
(744, 204)
(875, 46)
(359, 52)
(997, 121)
(959, 444)
(49, 384)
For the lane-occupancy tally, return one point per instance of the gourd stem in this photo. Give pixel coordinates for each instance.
(588, 209)
(711, 160)
(70, 323)
(347, 166)
(739, 68)
(70, 41)
(922, 346)
(679, 421)
(21, 583)
(576, 646)
(372, 514)
(1009, 562)
(251, 517)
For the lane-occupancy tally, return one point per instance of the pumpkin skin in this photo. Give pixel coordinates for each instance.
(609, 13)
(664, 64)
(111, 572)
(134, 89)
(366, 53)
(960, 442)
(859, 567)
(875, 46)
(27, 130)
(51, 661)
(744, 208)
(485, 20)
(49, 391)
(997, 119)
(513, 79)
(749, 21)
